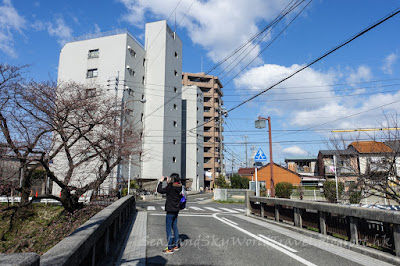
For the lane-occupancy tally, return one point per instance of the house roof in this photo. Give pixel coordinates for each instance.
(337, 152)
(301, 158)
(370, 147)
(280, 167)
(246, 171)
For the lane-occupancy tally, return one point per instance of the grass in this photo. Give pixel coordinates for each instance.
(38, 227)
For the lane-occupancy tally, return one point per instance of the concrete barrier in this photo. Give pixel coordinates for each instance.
(90, 242)
(20, 259)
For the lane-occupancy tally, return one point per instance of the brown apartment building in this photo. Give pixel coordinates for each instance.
(213, 147)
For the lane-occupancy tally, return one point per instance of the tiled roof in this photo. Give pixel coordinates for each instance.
(246, 171)
(337, 152)
(301, 158)
(370, 147)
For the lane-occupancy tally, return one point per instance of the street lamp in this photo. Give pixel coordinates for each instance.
(260, 123)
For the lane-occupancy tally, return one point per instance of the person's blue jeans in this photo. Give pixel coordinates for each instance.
(171, 222)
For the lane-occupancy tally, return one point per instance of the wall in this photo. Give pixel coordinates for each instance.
(280, 175)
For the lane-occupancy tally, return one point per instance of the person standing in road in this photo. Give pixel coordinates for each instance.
(173, 191)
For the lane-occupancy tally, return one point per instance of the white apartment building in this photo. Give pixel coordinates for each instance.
(192, 137)
(148, 80)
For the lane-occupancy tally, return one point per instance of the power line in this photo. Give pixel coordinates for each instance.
(390, 15)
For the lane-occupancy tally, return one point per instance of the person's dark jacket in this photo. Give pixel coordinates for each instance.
(173, 191)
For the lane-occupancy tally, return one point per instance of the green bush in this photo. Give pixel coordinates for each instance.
(283, 190)
(330, 191)
(220, 182)
(240, 182)
(124, 192)
(134, 185)
(354, 194)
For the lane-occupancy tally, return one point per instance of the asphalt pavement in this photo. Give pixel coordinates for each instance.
(219, 234)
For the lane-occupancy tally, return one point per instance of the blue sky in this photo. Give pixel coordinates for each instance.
(361, 78)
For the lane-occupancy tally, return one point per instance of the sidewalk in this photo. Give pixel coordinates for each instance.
(134, 252)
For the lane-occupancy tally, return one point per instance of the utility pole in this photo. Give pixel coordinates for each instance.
(245, 142)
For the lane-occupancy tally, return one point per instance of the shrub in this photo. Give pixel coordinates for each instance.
(283, 190)
(330, 191)
(221, 182)
(240, 182)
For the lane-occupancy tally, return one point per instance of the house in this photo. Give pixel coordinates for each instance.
(280, 173)
(307, 167)
(372, 155)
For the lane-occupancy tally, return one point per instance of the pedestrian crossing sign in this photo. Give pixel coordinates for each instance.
(260, 156)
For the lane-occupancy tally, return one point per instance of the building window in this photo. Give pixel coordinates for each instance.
(143, 80)
(197, 150)
(141, 118)
(176, 55)
(174, 159)
(133, 53)
(175, 73)
(91, 73)
(144, 62)
(174, 141)
(93, 53)
(197, 164)
(175, 107)
(175, 90)
(175, 124)
(130, 70)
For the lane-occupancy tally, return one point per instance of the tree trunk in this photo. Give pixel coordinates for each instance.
(70, 201)
(25, 186)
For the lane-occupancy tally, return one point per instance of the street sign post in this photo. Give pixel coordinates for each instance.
(259, 157)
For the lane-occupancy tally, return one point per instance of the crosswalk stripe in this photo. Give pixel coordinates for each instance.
(196, 208)
(212, 209)
(240, 210)
(228, 210)
(151, 208)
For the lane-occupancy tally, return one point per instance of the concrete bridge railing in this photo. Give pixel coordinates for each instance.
(379, 229)
(85, 246)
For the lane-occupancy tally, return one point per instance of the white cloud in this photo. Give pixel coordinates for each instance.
(309, 98)
(97, 28)
(388, 63)
(10, 22)
(294, 150)
(60, 30)
(301, 88)
(219, 26)
(363, 73)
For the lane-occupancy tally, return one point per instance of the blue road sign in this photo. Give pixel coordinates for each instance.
(260, 156)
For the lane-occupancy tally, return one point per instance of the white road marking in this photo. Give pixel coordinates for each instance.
(240, 210)
(163, 207)
(288, 253)
(276, 242)
(151, 208)
(184, 215)
(228, 210)
(196, 208)
(199, 198)
(229, 221)
(212, 209)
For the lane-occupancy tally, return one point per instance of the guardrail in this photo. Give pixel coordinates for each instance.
(370, 227)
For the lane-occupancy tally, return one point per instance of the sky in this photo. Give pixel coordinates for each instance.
(357, 86)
